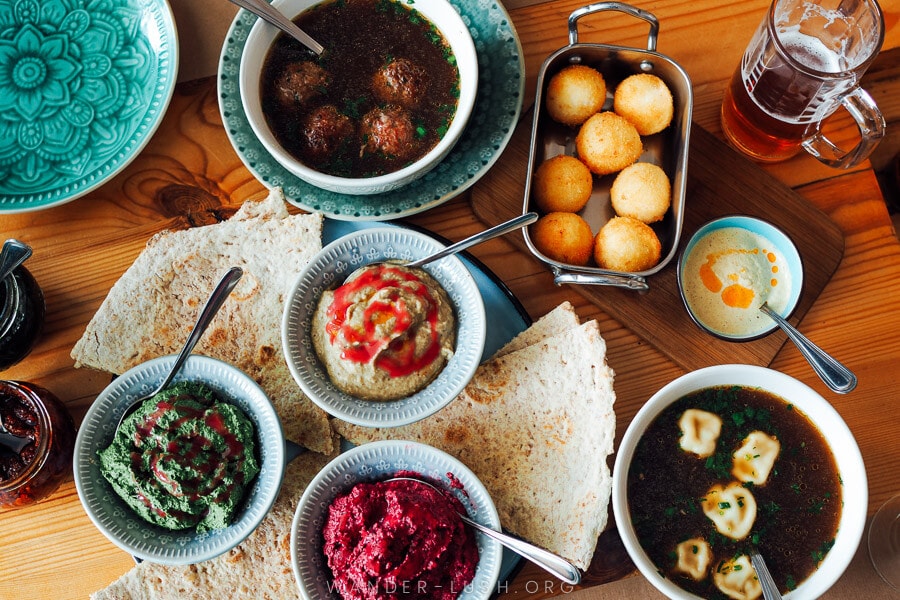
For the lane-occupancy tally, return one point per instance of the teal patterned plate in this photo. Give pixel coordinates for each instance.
(501, 85)
(83, 87)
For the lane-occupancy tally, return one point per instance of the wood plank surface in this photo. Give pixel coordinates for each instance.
(189, 174)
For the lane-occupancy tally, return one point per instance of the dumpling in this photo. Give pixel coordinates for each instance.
(699, 432)
(737, 579)
(694, 557)
(731, 508)
(754, 460)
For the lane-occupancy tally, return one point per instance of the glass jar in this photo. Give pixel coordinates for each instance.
(32, 412)
(21, 316)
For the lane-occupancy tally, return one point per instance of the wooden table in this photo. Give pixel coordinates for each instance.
(189, 172)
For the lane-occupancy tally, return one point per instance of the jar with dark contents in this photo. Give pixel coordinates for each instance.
(21, 316)
(31, 412)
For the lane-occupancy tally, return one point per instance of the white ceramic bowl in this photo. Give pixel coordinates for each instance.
(838, 436)
(375, 462)
(443, 15)
(788, 258)
(334, 263)
(117, 521)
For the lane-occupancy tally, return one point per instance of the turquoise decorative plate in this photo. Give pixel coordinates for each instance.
(83, 87)
(501, 86)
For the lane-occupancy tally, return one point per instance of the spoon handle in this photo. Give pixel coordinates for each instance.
(216, 299)
(835, 375)
(265, 11)
(14, 253)
(487, 234)
(769, 589)
(556, 565)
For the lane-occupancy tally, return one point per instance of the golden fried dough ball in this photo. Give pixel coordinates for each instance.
(608, 143)
(574, 94)
(626, 244)
(646, 101)
(564, 237)
(562, 184)
(641, 191)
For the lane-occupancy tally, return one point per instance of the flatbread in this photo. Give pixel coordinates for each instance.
(257, 569)
(560, 319)
(536, 425)
(152, 308)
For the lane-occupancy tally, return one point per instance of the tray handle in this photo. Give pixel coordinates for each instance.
(632, 282)
(621, 7)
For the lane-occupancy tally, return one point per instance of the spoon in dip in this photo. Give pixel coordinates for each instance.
(13, 254)
(835, 375)
(212, 306)
(482, 236)
(548, 561)
(769, 589)
(267, 12)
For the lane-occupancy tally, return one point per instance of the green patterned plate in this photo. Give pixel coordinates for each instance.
(83, 87)
(498, 105)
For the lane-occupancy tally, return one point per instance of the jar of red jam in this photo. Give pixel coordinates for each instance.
(31, 412)
(21, 316)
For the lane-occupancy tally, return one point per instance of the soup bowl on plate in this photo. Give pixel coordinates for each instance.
(690, 494)
(386, 121)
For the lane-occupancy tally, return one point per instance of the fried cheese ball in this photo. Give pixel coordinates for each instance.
(626, 244)
(562, 184)
(608, 143)
(564, 237)
(642, 191)
(574, 94)
(646, 101)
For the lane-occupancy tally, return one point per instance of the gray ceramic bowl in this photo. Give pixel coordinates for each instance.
(334, 263)
(125, 528)
(375, 462)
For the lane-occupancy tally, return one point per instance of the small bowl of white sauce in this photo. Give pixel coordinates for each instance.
(730, 267)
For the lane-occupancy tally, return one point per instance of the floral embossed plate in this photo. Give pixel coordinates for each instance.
(83, 87)
(498, 104)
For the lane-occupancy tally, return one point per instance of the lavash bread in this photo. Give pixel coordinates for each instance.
(152, 308)
(560, 319)
(536, 425)
(259, 568)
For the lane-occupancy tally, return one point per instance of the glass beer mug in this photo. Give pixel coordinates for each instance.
(804, 62)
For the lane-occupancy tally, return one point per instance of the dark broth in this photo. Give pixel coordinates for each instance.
(361, 37)
(798, 508)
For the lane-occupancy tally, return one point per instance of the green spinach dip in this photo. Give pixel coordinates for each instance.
(183, 459)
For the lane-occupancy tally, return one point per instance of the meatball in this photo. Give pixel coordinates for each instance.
(322, 132)
(300, 82)
(388, 131)
(401, 82)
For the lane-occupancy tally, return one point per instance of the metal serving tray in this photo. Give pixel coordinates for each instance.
(668, 149)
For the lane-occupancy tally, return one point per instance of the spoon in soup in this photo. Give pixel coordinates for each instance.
(553, 564)
(835, 375)
(267, 12)
(769, 589)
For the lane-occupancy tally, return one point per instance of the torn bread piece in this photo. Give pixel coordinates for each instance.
(536, 425)
(151, 309)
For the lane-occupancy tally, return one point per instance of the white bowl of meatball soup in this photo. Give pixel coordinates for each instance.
(732, 457)
(380, 107)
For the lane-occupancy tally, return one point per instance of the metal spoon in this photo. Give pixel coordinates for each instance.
(548, 561)
(483, 236)
(835, 375)
(267, 12)
(13, 254)
(769, 589)
(212, 306)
